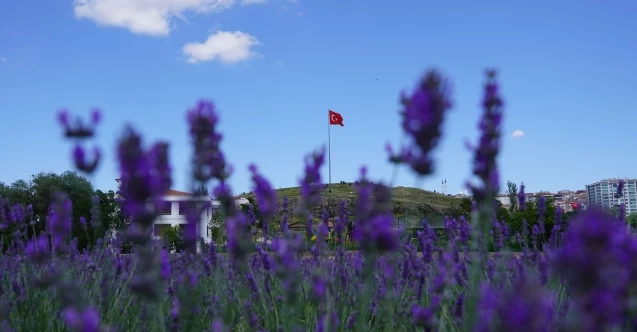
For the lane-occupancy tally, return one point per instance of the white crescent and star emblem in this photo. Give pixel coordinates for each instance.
(335, 118)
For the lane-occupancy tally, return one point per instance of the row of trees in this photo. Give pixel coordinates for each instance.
(39, 190)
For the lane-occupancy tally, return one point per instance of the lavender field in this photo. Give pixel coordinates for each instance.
(578, 276)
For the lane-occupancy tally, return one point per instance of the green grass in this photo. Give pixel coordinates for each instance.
(414, 200)
(407, 196)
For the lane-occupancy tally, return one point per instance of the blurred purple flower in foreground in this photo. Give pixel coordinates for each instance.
(423, 116)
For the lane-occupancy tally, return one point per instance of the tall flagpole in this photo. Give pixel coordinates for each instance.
(329, 147)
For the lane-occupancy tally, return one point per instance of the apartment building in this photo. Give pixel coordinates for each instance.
(603, 194)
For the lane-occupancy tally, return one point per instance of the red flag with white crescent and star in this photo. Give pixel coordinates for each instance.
(336, 118)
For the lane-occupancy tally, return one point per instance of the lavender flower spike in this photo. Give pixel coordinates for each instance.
(423, 116)
(78, 129)
(265, 195)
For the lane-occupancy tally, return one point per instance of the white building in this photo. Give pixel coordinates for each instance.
(173, 211)
(504, 199)
(603, 194)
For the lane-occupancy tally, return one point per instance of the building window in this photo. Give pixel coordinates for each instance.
(184, 206)
(164, 208)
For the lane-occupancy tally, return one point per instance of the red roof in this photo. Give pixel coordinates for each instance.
(172, 192)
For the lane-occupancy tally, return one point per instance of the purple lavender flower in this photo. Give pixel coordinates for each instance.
(18, 214)
(426, 239)
(621, 217)
(620, 188)
(521, 198)
(420, 316)
(174, 314)
(319, 288)
(557, 228)
(237, 230)
(79, 157)
(217, 326)
(320, 324)
(498, 235)
(541, 210)
(82, 321)
(78, 129)
(485, 154)
(285, 217)
(376, 234)
(423, 115)
(145, 176)
(458, 311)
(59, 219)
(541, 206)
(527, 307)
(212, 252)
(374, 230)
(165, 265)
(39, 249)
(191, 230)
(311, 181)
(83, 222)
(208, 159)
(597, 262)
(265, 195)
(309, 229)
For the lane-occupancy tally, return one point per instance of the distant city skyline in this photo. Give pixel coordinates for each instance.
(274, 68)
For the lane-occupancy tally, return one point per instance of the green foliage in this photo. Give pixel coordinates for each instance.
(173, 238)
(255, 207)
(40, 190)
(110, 211)
(215, 225)
(512, 192)
(201, 191)
(632, 220)
(530, 214)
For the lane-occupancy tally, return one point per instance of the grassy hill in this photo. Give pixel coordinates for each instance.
(412, 199)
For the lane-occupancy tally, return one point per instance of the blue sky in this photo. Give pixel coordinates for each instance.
(273, 68)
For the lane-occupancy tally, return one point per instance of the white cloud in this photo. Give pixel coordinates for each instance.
(279, 63)
(3, 59)
(253, 2)
(147, 17)
(517, 133)
(225, 46)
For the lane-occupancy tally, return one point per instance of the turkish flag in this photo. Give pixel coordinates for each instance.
(336, 118)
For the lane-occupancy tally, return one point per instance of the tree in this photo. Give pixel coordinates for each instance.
(255, 208)
(632, 220)
(173, 238)
(79, 190)
(512, 192)
(39, 193)
(614, 211)
(398, 208)
(201, 191)
(465, 207)
(19, 192)
(111, 214)
(215, 225)
(503, 215)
